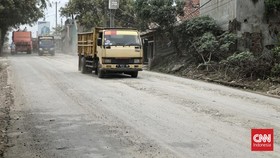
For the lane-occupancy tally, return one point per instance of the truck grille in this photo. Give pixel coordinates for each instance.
(122, 61)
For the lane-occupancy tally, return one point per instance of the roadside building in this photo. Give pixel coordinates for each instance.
(191, 9)
(246, 18)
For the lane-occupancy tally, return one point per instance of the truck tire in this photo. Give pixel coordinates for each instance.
(83, 68)
(96, 63)
(134, 74)
(79, 63)
(100, 73)
(96, 71)
(28, 52)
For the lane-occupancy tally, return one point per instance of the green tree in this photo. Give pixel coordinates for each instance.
(57, 30)
(91, 13)
(189, 31)
(162, 13)
(18, 12)
(272, 6)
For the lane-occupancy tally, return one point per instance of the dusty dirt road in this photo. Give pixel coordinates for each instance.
(60, 112)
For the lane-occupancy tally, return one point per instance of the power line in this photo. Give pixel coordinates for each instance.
(218, 6)
(208, 6)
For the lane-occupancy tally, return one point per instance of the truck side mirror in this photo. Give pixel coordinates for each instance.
(99, 42)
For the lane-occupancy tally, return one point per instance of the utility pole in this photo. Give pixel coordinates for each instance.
(113, 5)
(55, 3)
(55, 14)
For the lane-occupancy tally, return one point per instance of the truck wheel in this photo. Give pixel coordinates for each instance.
(96, 71)
(100, 73)
(28, 52)
(40, 54)
(96, 63)
(79, 63)
(134, 74)
(83, 68)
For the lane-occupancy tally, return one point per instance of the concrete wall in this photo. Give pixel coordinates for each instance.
(252, 18)
(69, 37)
(251, 15)
(247, 19)
(222, 11)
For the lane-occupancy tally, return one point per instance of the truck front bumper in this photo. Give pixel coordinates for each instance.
(46, 51)
(121, 67)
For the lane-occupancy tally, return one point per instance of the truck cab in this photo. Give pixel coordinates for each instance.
(120, 51)
(46, 45)
(111, 50)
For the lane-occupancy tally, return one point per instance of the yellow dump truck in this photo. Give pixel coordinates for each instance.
(110, 50)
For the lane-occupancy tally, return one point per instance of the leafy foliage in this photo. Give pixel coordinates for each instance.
(276, 53)
(276, 70)
(240, 59)
(245, 64)
(162, 13)
(15, 12)
(92, 13)
(240, 64)
(19, 12)
(272, 6)
(202, 39)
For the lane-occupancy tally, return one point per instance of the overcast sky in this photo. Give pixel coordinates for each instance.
(50, 16)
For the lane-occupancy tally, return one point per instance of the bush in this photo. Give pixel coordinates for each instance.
(202, 40)
(276, 54)
(240, 65)
(275, 71)
(241, 59)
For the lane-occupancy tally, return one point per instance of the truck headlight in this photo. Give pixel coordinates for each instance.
(107, 61)
(51, 48)
(40, 48)
(137, 61)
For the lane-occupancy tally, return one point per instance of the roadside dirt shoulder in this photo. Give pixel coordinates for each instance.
(182, 67)
(6, 100)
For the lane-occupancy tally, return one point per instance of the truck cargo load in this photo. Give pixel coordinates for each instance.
(110, 50)
(22, 41)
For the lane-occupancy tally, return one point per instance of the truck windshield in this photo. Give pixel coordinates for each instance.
(46, 42)
(122, 40)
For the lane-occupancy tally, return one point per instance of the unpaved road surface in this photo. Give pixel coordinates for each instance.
(59, 112)
(6, 100)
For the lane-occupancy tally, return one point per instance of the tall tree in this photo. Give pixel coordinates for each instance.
(162, 13)
(92, 13)
(18, 12)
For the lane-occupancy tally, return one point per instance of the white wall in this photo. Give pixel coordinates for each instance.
(250, 15)
(222, 11)
(254, 13)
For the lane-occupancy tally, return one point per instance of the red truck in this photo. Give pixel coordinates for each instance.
(22, 41)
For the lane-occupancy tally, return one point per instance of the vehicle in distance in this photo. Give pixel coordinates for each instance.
(46, 45)
(110, 50)
(22, 42)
